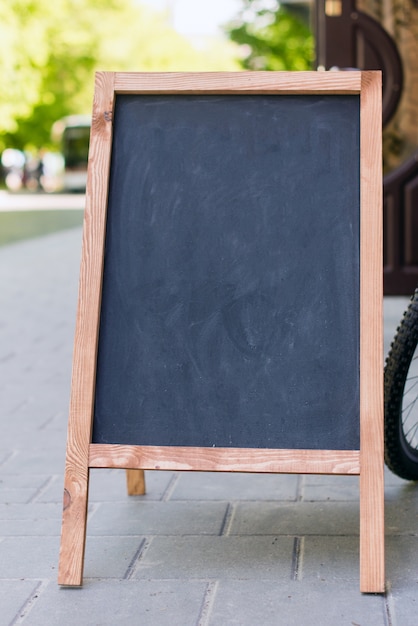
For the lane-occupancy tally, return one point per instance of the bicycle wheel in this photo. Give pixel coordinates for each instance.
(401, 395)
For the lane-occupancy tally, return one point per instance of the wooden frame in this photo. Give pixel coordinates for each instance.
(368, 461)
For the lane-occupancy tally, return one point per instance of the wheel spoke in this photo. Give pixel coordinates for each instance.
(412, 438)
(409, 425)
(406, 410)
(410, 431)
(414, 384)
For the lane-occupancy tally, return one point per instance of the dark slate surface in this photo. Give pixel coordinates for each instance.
(230, 311)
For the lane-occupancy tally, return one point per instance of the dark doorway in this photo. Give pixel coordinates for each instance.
(348, 38)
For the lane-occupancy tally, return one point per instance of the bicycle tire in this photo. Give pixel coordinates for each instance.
(401, 395)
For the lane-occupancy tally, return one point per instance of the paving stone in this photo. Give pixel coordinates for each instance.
(52, 492)
(106, 603)
(38, 408)
(217, 558)
(392, 481)
(401, 559)
(329, 559)
(113, 485)
(111, 557)
(33, 519)
(292, 604)
(20, 437)
(403, 602)
(13, 596)
(29, 557)
(303, 518)
(335, 488)
(134, 517)
(9, 496)
(327, 487)
(5, 456)
(37, 557)
(233, 486)
(38, 460)
(32, 482)
(401, 510)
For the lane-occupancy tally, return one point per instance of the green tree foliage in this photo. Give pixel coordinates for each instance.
(49, 51)
(272, 37)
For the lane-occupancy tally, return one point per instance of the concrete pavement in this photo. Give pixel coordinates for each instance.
(198, 549)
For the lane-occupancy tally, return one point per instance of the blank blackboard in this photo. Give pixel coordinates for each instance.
(230, 301)
(230, 304)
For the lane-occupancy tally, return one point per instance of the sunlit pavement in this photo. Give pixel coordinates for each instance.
(40, 201)
(27, 215)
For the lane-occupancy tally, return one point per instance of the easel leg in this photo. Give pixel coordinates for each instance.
(372, 537)
(135, 482)
(74, 523)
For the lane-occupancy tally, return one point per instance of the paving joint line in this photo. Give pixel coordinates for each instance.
(42, 489)
(227, 520)
(30, 602)
(300, 488)
(93, 507)
(389, 607)
(136, 559)
(297, 558)
(8, 457)
(45, 424)
(170, 487)
(207, 604)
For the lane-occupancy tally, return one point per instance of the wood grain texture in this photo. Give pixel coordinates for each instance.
(372, 573)
(135, 482)
(239, 82)
(225, 459)
(85, 343)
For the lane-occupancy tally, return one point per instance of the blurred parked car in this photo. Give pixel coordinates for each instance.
(72, 136)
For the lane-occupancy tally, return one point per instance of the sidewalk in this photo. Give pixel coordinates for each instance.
(198, 549)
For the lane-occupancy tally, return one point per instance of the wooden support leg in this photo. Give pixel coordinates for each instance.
(74, 523)
(135, 482)
(372, 552)
(372, 532)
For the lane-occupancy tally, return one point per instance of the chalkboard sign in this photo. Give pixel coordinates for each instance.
(230, 290)
(230, 301)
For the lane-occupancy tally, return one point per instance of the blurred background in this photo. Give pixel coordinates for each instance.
(49, 52)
